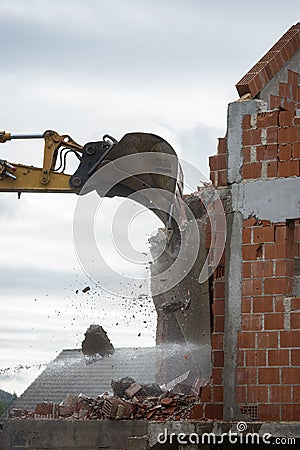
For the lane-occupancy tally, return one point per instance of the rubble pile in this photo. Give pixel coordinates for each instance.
(130, 401)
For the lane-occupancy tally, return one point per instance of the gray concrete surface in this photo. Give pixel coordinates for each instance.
(65, 434)
(236, 111)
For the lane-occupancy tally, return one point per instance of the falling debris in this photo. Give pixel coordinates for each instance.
(86, 289)
(96, 343)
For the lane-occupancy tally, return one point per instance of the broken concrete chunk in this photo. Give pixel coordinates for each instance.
(96, 343)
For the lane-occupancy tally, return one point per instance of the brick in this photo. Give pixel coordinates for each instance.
(252, 137)
(251, 170)
(222, 163)
(284, 90)
(246, 375)
(251, 322)
(295, 320)
(218, 358)
(266, 152)
(241, 394)
(247, 269)
(286, 118)
(267, 339)
(296, 150)
(288, 135)
(285, 152)
(197, 412)
(268, 375)
(218, 324)
(279, 303)
(250, 222)
(263, 234)
(247, 154)
(213, 411)
(218, 307)
(219, 289)
(214, 162)
(276, 286)
(241, 358)
(206, 394)
(283, 267)
(272, 135)
(290, 338)
(295, 303)
(222, 177)
(290, 412)
(295, 358)
(289, 105)
(222, 145)
(290, 375)
(274, 321)
(296, 394)
(256, 357)
(218, 393)
(281, 233)
(280, 394)
(217, 340)
(246, 123)
(217, 375)
(262, 269)
(274, 101)
(246, 339)
(251, 287)
(251, 252)
(278, 357)
(293, 77)
(262, 304)
(288, 168)
(246, 305)
(272, 169)
(247, 235)
(269, 411)
(267, 119)
(276, 251)
(212, 177)
(257, 394)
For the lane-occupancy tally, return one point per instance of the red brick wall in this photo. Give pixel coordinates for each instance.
(268, 373)
(271, 145)
(289, 93)
(212, 395)
(218, 164)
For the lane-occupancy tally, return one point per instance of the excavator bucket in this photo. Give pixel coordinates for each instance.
(152, 167)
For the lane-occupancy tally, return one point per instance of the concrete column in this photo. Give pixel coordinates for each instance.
(233, 275)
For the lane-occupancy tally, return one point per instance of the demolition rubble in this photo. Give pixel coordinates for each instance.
(130, 400)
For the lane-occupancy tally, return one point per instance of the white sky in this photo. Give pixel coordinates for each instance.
(88, 68)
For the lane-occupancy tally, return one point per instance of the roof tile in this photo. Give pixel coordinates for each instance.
(267, 67)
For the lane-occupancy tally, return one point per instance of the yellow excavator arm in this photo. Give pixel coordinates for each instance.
(51, 177)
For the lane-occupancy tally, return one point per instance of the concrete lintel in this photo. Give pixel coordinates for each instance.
(275, 199)
(233, 295)
(235, 113)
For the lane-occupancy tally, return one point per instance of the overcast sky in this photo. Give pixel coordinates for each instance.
(88, 68)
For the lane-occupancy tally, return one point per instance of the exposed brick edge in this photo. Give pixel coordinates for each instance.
(270, 64)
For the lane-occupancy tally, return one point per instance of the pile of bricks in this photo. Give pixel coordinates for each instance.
(170, 407)
(130, 401)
